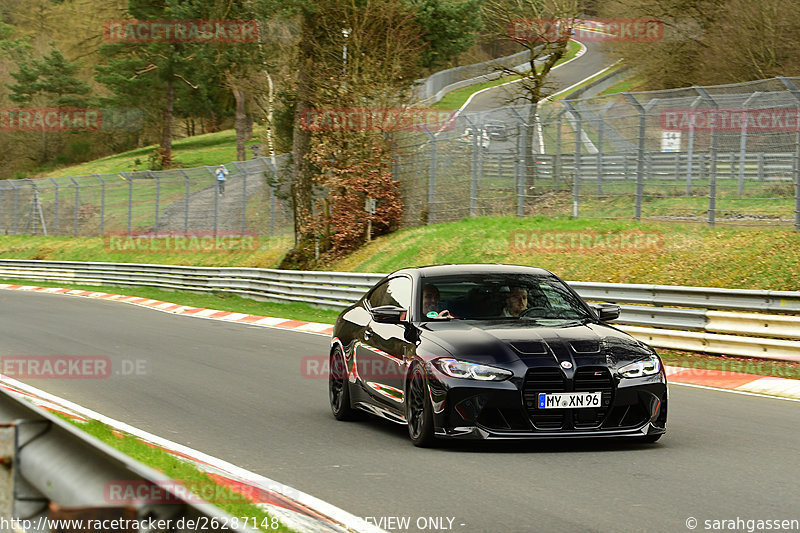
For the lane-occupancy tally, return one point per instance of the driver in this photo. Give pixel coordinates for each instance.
(430, 303)
(516, 302)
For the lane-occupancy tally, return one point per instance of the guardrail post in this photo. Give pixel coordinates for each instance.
(244, 194)
(712, 185)
(7, 438)
(796, 165)
(77, 207)
(102, 204)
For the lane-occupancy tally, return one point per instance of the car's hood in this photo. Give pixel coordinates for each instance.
(536, 343)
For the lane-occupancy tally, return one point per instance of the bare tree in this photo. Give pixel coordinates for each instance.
(544, 28)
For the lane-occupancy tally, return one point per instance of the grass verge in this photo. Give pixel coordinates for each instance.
(217, 300)
(195, 480)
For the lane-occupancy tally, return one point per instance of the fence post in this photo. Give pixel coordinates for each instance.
(102, 204)
(690, 148)
(55, 210)
(185, 202)
(473, 191)
(16, 203)
(637, 209)
(129, 179)
(215, 193)
(158, 190)
(576, 171)
(712, 154)
(431, 174)
(600, 128)
(244, 193)
(274, 169)
(557, 165)
(796, 164)
(521, 168)
(77, 205)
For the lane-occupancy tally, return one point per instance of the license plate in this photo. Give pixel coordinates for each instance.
(569, 400)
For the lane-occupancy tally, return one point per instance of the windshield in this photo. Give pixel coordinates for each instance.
(499, 297)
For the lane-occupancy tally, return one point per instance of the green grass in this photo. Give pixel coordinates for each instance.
(195, 480)
(626, 85)
(209, 149)
(590, 80)
(759, 367)
(456, 99)
(215, 300)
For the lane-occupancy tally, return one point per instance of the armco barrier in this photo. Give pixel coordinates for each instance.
(46, 461)
(742, 322)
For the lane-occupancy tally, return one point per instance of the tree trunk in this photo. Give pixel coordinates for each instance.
(166, 131)
(302, 177)
(240, 122)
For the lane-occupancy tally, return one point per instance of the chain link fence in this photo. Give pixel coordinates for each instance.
(722, 154)
(176, 200)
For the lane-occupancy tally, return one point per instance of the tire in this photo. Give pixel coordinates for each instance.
(338, 387)
(420, 411)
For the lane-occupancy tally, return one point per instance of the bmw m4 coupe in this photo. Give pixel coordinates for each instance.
(493, 352)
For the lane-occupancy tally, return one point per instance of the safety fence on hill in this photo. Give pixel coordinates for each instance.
(719, 155)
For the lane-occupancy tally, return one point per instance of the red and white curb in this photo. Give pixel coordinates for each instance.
(735, 381)
(178, 309)
(299, 511)
(715, 379)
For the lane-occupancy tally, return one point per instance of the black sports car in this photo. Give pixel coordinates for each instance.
(493, 351)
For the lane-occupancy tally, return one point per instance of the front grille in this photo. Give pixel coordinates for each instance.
(588, 379)
(544, 380)
(592, 380)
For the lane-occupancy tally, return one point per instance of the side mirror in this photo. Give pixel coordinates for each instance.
(606, 312)
(389, 314)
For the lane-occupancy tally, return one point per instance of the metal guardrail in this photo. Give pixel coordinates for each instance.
(693, 318)
(44, 475)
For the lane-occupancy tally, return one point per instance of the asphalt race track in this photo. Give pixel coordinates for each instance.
(237, 392)
(592, 61)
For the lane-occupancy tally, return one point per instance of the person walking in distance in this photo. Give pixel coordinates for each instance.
(221, 173)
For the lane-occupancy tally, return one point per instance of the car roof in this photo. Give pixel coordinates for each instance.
(472, 268)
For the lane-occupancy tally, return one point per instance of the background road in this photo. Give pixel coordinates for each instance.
(591, 62)
(237, 392)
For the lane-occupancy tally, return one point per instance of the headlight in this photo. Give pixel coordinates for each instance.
(462, 369)
(643, 367)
